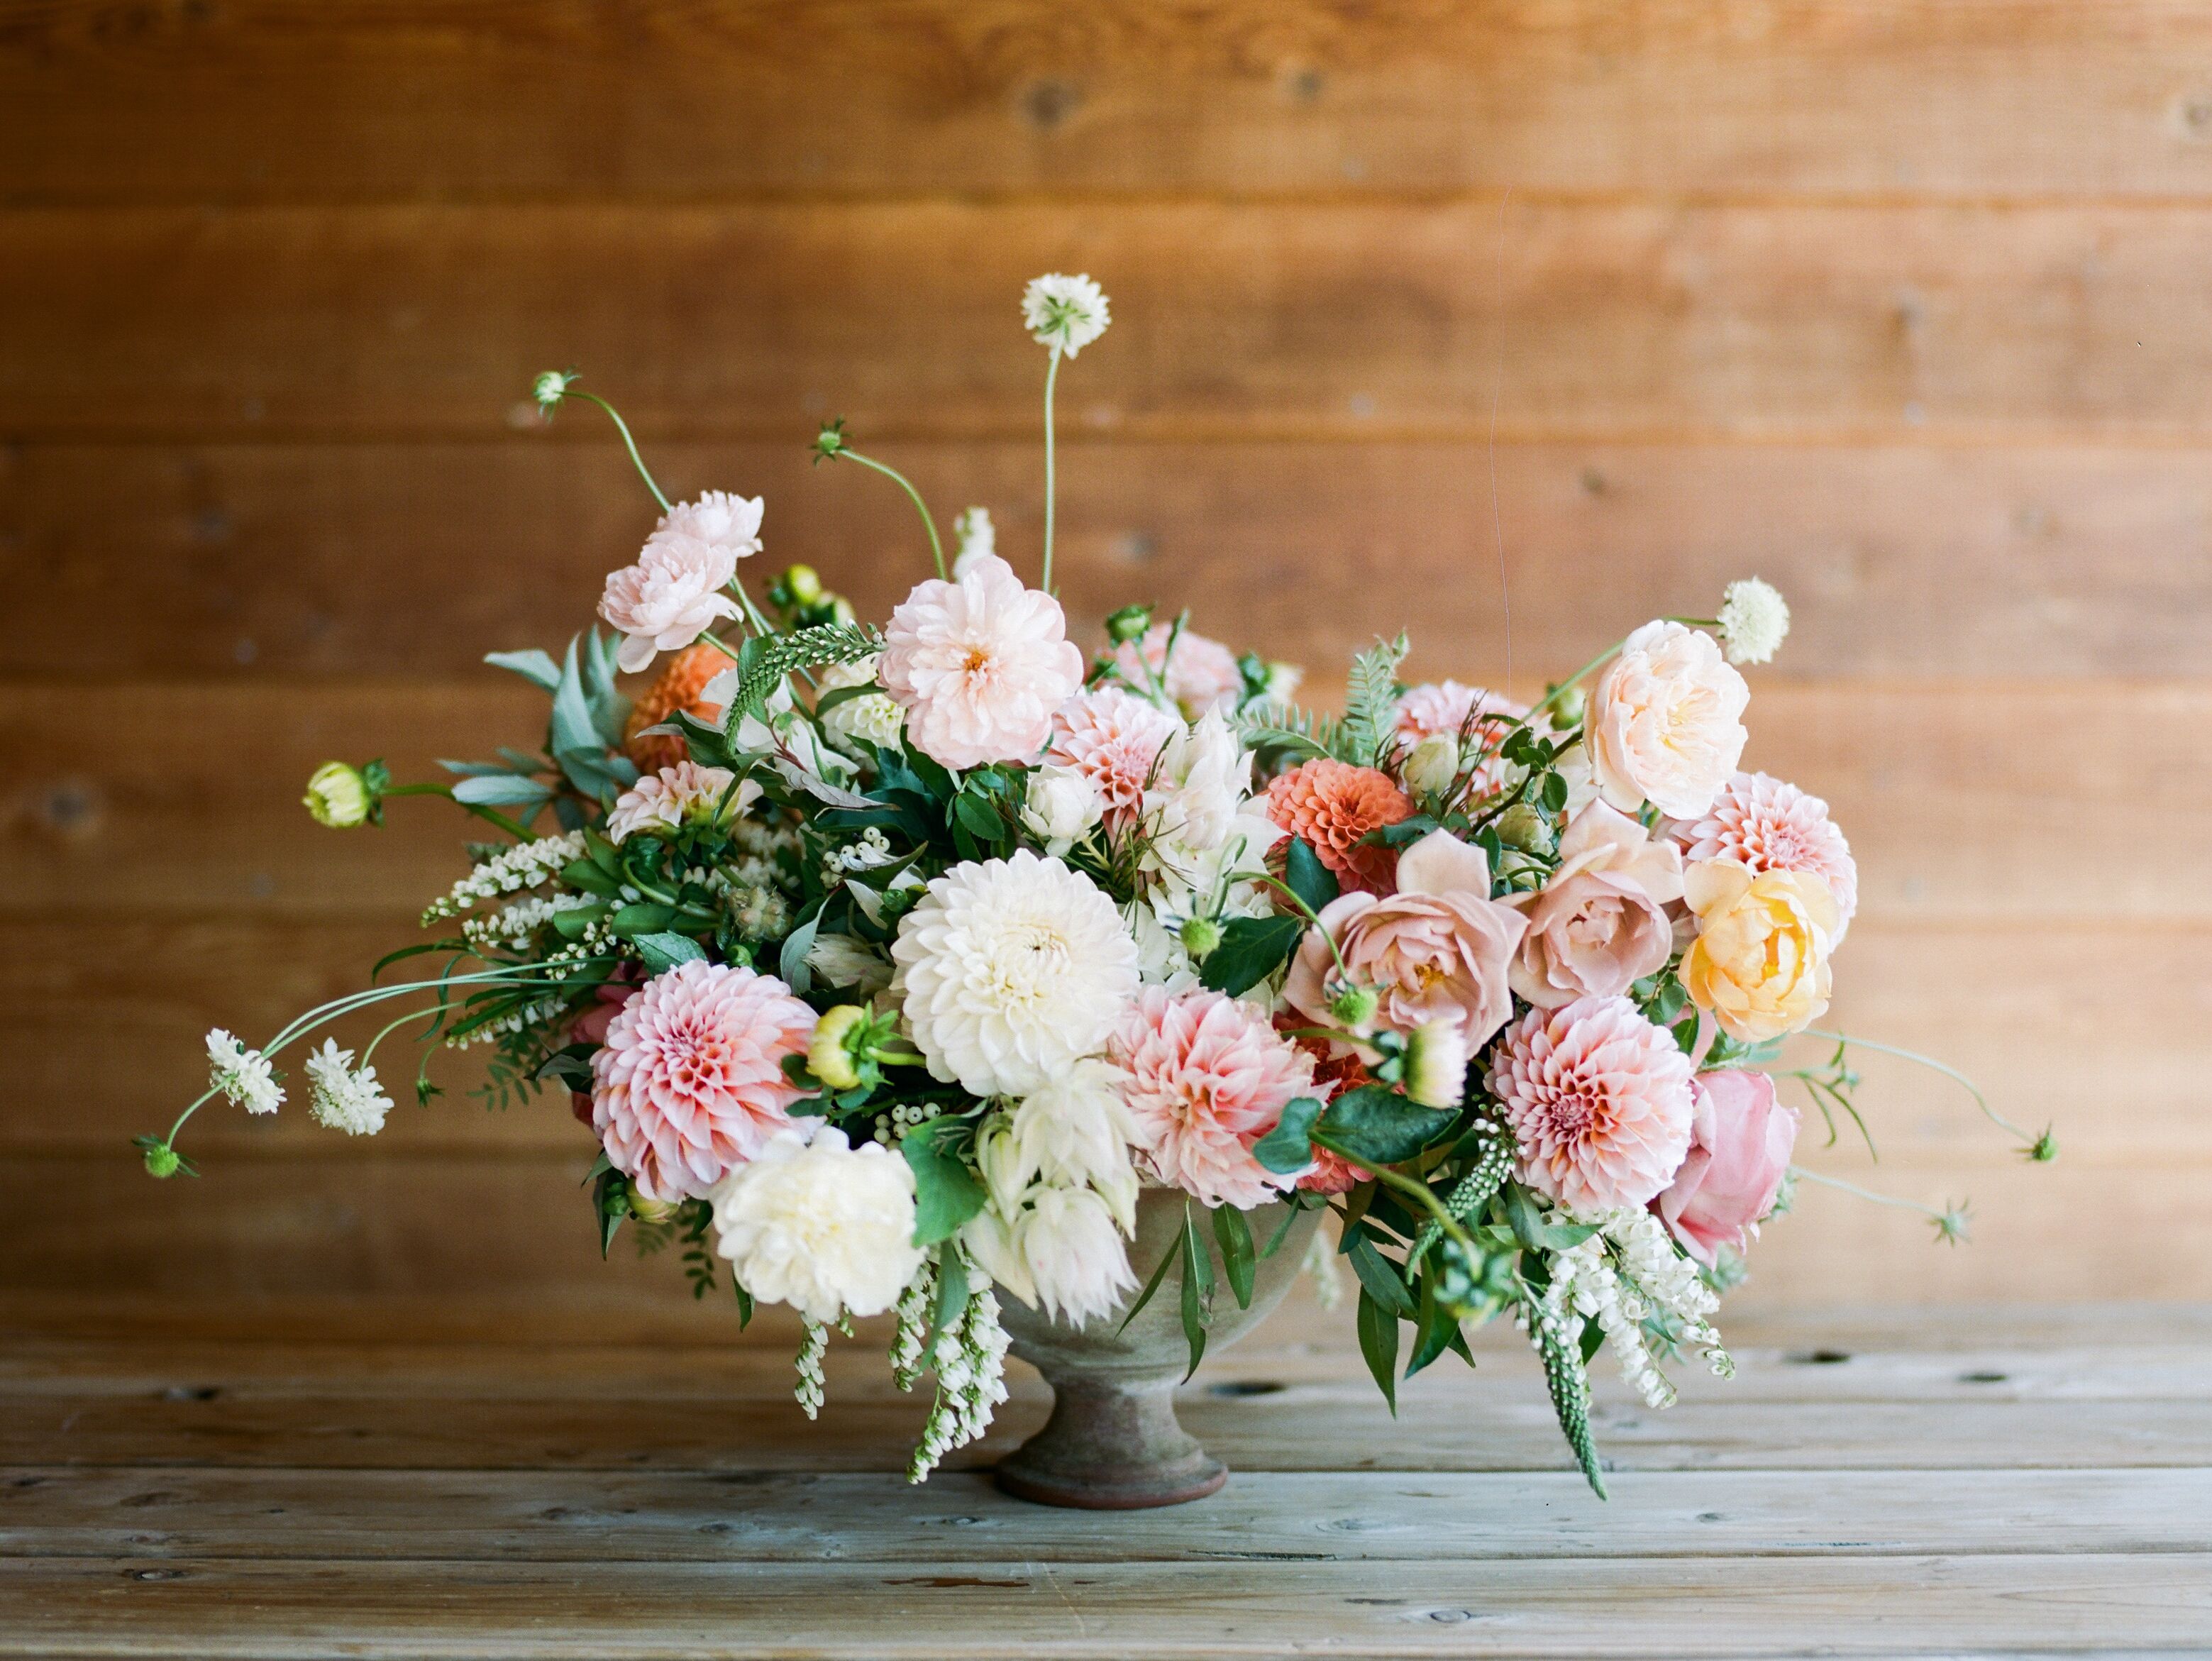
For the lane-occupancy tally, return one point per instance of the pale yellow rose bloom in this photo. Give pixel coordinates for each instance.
(1759, 964)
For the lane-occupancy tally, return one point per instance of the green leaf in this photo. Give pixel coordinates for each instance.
(1304, 875)
(1289, 1145)
(791, 963)
(1379, 1276)
(1378, 1343)
(572, 730)
(1290, 1211)
(663, 951)
(586, 877)
(744, 1303)
(1375, 1125)
(574, 925)
(1554, 793)
(1529, 1227)
(644, 918)
(1235, 1236)
(981, 819)
(1197, 1290)
(946, 1193)
(1371, 704)
(1167, 1262)
(951, 1297)
(502, 790)
(1433, 1329)
(1251, 949)
(532, 666)
(609, 708)
(610, 1198)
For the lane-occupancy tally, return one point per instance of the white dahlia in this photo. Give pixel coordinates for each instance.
(1073, 1250)
(820, 1225)
(1011, 969)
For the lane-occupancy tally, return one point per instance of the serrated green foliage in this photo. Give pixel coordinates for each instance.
(1303, 734)
(765, 662)
(1370, 702)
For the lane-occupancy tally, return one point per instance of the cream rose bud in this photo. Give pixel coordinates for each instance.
(1600, 923)
(1433, 765)
(1006, 1172)
(987, 1238)
(822, 1225)
(1060, 806)
(1759, 964)
(1073, 1248)
(1665, 723)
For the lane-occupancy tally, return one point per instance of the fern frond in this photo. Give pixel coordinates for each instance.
(1371, 700)
(1275, 726)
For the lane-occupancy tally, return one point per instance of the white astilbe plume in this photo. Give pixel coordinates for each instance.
(912, 1326)
(970, 1363)
(342, 1096)
(529, 865)
(1629, 1272)
(243, 1075)
(1754, 620)
(813, 1345)
(1065, 311)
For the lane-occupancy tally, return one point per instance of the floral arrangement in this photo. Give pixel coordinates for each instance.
(887, 964)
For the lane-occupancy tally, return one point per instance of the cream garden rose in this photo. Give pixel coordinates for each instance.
(1665, 723)
(1759, 964)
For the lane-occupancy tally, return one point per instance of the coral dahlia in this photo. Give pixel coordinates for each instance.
(1331, 804)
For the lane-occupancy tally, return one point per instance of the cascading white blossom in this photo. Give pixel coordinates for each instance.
(245, 1076)
(344, 1097)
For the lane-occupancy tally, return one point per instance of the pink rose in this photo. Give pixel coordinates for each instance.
(1600, 924)
(1741, 1140)
(1435, 950)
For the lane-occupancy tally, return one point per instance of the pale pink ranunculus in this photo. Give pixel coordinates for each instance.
(1665, 723)
(689, 1083)
(1761, 821)
(677, 591)
(1438, 949)
(1207, 1076)
(1600, 1101)
(668, 799)
(1202, 674)
(1114, 740)
(1741, 1140)
(1600, 923)
(1478, 718)
(980, 665)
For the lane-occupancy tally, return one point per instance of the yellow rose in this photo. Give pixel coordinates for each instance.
(1760, 960)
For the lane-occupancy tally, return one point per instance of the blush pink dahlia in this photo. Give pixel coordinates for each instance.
(1600, 1100)
(690, 1083)
(1446, 708)
(1759, 821)
(979, 666)
(676, 592)
(1113, 740)
(1202, 674)
(1208, 1078)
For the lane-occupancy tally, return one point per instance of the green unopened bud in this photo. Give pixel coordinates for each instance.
(551, 387)
(841, 609)
(2043, 1149)
(802, 584)
(1355, 1006)
(831, 441)
(161, 1160)
(340, 796)
(829, 1055)
(1201, 937)
(1567, 708)
(1128, 623)
(1522, 827)
(650, 1211)
(1433, 765)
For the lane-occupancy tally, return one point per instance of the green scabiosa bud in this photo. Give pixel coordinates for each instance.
(1201, 937)
(161, 1160)
(1354, 1005)
(1128, 623)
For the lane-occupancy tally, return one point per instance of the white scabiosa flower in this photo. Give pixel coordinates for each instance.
(1074, 1247)
(1010, 970)
(1754, 621)
(1065, 311)
(978, 539)
(243, 1075)
(342, 1096)
(820, 1225)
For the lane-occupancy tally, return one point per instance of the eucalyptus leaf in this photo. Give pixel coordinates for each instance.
(791, 963)
(1289, 1145)
(502, 790)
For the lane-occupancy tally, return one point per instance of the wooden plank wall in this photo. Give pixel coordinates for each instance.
(1903, 305)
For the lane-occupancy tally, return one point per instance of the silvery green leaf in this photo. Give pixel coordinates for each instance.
(501, 790)
(477, 770)
(573, 731)
(791, 963)
(532, 666)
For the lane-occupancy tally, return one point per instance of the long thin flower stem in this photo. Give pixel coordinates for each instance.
(623, 427)
(520, 832)
(936, 546)
(1051, 378)
(1934, 1066)
(1565, 686)
(1950, 1224)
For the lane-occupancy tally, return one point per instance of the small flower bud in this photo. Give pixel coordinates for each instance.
(841, 609)
(1522, 827)
(161, 1160)
(802, 583)
(1128, 623)
(1567, 708)
(1435, 1065)
(1201, 937)
(829, 1055)
(551, 387)
(1355, 1006)
(1433, 766)
(831, 441)
(339, 796)
(650, 1211)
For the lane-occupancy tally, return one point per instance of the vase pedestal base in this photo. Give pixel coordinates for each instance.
(1112, 1443)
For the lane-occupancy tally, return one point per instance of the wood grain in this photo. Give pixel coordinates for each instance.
(1959, 805)
(2056, 561)
(652, 99)
(1766, 322)
(1559, 1608)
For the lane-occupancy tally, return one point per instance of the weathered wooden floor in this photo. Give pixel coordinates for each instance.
(388, 1482)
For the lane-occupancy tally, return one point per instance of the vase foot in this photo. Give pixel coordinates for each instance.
(1112, 1443)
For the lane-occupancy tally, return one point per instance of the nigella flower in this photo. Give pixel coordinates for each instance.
(243, 1075)
(1754, 620)
(1065, 311)
(342, 1096)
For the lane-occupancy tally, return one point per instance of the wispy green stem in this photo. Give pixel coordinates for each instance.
(623, 427)
(1935, 1066)
(1950, 1221)
(935, 545)
(1051, 379)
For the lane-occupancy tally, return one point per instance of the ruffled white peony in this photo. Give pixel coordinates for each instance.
(728, 523)
(1010, 970)
(822, 1225)
(1665, 724)
(1074, 1250)
(980, 665)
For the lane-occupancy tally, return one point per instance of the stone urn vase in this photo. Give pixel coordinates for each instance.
(1112, 1443)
